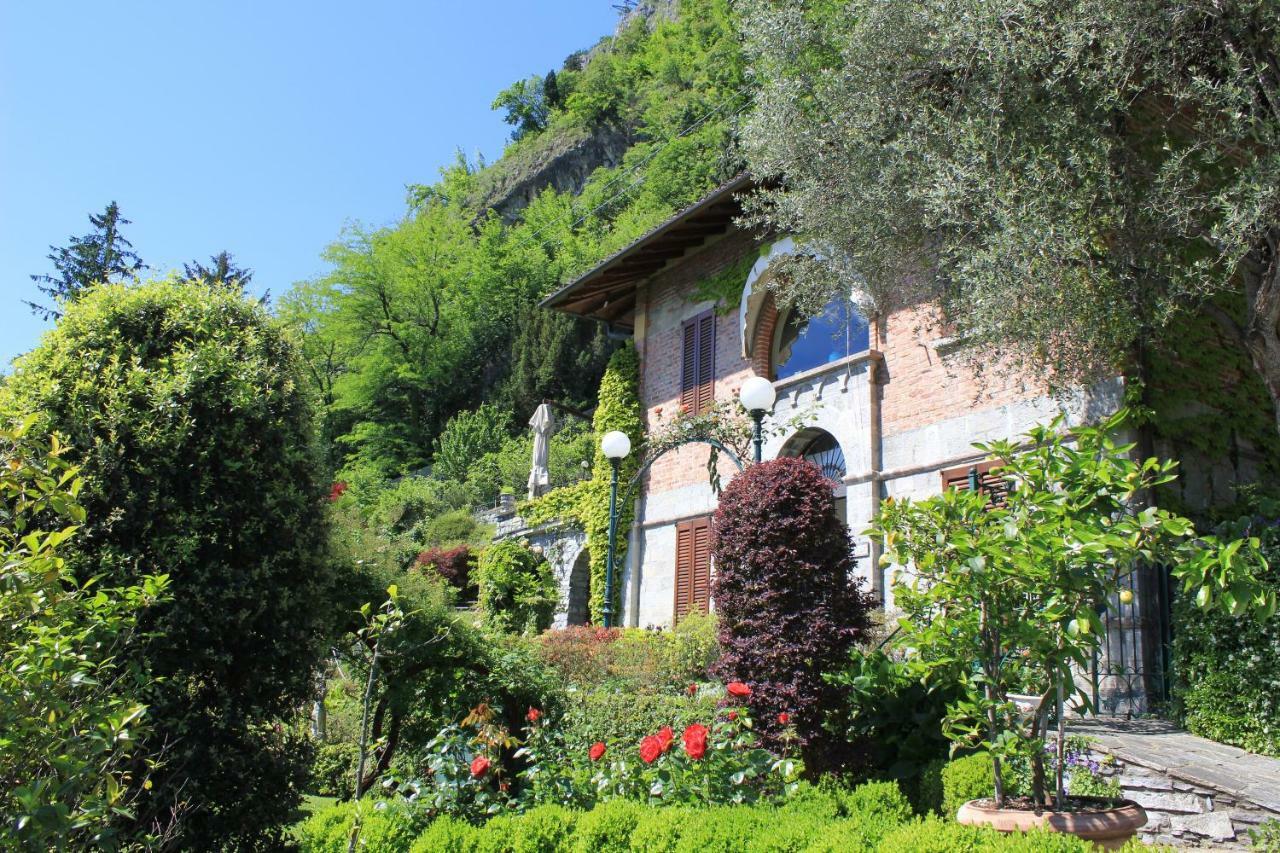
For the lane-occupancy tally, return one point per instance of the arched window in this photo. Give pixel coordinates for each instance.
(803, 343)
(821, 448)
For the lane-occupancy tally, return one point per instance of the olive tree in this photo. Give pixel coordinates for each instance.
(1061, 178)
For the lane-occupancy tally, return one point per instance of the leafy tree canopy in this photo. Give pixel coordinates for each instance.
(1064, 178)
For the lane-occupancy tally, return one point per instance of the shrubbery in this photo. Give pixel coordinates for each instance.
(72, 710)
(874, 819)
(789, 609)
(517, 589)
(1227, 668)
(454, 566)
(185, 410)
(633, 658)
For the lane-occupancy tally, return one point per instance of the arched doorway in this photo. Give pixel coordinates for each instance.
(579, 589)
(822, 449)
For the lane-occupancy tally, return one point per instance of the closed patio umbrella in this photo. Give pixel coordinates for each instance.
(543, 424)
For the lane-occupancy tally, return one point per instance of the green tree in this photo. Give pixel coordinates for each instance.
(1063, 178)
(73, 710)
(183, 404)
(1008, 599)
(222, 271)
(526, 106)
(467, 437)
(100, 256)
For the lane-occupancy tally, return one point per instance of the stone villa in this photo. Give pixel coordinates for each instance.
(875, 401)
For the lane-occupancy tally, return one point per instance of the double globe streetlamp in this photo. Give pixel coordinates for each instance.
(615, 446)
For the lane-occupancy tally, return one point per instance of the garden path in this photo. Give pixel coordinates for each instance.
(1196, 791)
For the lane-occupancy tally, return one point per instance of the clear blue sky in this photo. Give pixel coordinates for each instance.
(256, 127)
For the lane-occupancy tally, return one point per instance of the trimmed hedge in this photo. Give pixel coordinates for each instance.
(969, 778)
(874, 816)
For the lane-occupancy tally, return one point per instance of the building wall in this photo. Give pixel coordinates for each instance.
(901, 413)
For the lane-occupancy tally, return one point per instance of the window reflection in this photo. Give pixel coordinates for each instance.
(808, 342)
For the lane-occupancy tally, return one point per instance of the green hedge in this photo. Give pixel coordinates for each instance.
(969, 778)
(817, 818)
(621, 718)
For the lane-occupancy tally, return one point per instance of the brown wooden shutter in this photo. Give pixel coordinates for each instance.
(982, 474)
(697, 372)
(706, 361)
(693, 566)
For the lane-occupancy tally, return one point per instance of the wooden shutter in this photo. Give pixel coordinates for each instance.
(697, 371)
(693, 566)
(984, 475)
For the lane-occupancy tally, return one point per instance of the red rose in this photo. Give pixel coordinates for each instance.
(665, 737)
(336, 490)
(479, 766)
(693, 690)
(597, 750)
(733, 715)
(784, 718)
(534, 715)
(695, 741)
(737, 688)
(650, 749)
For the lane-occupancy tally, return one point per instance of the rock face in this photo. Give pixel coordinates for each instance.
(562, 162)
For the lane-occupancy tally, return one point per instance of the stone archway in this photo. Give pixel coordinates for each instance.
(579, 590)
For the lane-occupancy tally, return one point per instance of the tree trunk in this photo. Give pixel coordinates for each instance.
(1262, 319)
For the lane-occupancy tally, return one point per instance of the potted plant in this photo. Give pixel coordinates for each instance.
(1005, 596)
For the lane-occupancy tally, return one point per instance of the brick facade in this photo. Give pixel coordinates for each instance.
(901, 412)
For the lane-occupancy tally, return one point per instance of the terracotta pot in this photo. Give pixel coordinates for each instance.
(1109, 827)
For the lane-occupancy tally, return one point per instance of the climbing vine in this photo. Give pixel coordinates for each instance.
(725, 287)
(587, 503)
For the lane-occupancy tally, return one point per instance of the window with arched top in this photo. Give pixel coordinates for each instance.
(822, 449)
(802, 343)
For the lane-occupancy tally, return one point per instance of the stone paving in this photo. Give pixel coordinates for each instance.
(1197, 792)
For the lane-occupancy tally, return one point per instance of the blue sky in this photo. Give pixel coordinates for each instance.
(256, 127)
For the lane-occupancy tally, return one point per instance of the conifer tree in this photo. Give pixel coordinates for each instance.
(222, 271)
(102, 255)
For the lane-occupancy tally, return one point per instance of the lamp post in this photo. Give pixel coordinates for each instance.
(615, 446)
(757, 396)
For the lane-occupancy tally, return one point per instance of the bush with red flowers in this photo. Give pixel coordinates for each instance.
(788, 605)
(454, 565)
(718, 763)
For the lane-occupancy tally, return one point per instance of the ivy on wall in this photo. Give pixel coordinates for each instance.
(725, 287)
(587, 503)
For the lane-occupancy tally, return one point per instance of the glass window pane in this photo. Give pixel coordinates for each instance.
(806, 343)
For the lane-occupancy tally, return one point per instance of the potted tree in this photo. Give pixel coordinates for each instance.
(1005, 596)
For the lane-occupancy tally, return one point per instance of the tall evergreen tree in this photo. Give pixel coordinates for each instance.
(222, 271)
(102, 255)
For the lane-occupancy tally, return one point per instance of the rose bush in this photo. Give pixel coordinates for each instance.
(479, 768)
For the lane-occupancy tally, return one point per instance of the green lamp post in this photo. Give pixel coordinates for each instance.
(615, 446)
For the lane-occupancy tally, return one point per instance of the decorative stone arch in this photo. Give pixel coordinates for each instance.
(758, 310)
(820, 447)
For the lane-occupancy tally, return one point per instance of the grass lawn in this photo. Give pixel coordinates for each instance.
(309, 806)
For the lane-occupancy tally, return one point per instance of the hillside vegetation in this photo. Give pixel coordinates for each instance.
(420, 323)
